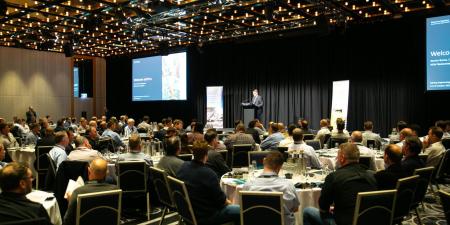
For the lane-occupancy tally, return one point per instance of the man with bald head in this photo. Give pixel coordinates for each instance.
(406, 132)
(341, 188)
(357, 138)
(97, 171)
(323, 131)
(387, 179)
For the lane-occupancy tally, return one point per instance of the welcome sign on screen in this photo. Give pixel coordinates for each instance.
(438, 53)
(159, 78)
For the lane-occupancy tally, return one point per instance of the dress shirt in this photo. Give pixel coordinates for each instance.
(171, 164)
(321, 133)
(271, 182)
(369, 135)
(435, 152)
(286, 142)
(217, 163)
(446, 135)
(31, 139)
(114, 136)
(129, 130)
(308, 153)
(409, 164)
(206, 196)
(8, 141)
(84, 154)
(145, 125)
(365, 151)
(238, 138)
(58, 154)
(136, 156)
(15, 207)
(341, 188)
(272, 141)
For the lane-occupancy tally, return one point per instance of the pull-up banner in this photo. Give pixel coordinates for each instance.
(214, 107)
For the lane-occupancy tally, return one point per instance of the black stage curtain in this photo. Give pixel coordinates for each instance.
(385, 63)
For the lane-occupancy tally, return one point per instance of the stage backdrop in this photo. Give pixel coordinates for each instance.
(383, 61)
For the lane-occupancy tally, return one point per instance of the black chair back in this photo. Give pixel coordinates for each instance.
(371, 143)
(314, 143)
(159, 178)
(339, 141)
(258, 157)
(224, 154)
(284, 151)
(99, 207)
(425, 175)
(142, 130)
(365, 161)
(406, 188)
(132, 176)
(375, 207)
(443, 170)
(423, 157)
(308, 137)
(35, 221)
(446, 143)
(42, 165)
(239, 156)
(51, 174)
(186, 157)
(257, 206)
(105, 144)
(445, 201)
(325, 139)
(182, 201)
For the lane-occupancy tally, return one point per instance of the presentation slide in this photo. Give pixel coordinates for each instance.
(438, 53)
(159, 78)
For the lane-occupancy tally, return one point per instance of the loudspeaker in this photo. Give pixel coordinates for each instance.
(68, 50)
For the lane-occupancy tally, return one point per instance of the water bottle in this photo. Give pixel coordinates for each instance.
(336, 145)
(254, 165)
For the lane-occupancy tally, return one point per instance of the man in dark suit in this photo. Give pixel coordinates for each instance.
(215, 160)
(411, 150)
(31, 115)
(252, 131)
(387, 179)
(258, 103)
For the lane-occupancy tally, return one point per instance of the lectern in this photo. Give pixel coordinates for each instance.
(249, 112)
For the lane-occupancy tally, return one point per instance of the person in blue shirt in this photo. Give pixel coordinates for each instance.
(109, 132)
(273, 140)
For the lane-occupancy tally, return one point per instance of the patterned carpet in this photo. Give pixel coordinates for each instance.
(432, 214)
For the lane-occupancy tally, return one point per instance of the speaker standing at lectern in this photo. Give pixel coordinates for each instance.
(257, 103)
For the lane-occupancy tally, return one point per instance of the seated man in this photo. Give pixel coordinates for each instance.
(215, 160)
(298, 146)
(387, 179)
(323, 131)
(274, 139)
(6, 137)
(34, 135)
(83, 151)
(96, 174)
(368, 134)
(109, 132)
(340, 132)
(130, 128)
(208, 200)
(239, 137)
(406, 132)
(269, 181)
(433, 147)
(92, 137)
(411, 150)
(16, 182)
(58, 152)
(341, 189)
(2, 156)
(363, 150)
(135, 154)
(170, 162)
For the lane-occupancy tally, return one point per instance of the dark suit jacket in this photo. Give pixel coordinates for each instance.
(46, 141)
(217, 163)
(387, 179)
(14, 207)
(255, 134)
(411, 163)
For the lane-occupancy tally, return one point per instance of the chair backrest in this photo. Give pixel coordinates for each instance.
(308, 137)
(99, 207)
(443, 169)
(425, 175)
(52, 164)
(258, 157)
(365, 160)
(406, 188)
(375, 207)
(339, 141)
(182, 201)
(423, 157)
(446, 143)
(51, 174)
(325, 139)
(35, 221)
(257, 206)
(239, 156)
(370, 143)
(224, 154)
(159, 178)
(186, 157)
(42, 162)
(132, 176)
(314, 143)
(445, 201)
(105, 144)
(284, 151)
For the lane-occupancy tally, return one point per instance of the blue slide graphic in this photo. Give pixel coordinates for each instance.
(438, 53)
(146, 75)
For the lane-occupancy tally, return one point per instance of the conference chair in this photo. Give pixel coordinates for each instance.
(446, 143)
(365, 160)
(51, 174)
(182, 201)
(375, 207)
(442, 174)
(445, 201)
(325, 139)
(339, 141)
(314, 143)
(406, 188)
(284, 151)
(370, 143)
(258, 157)
(159, 178)
(99, 208)
(308, 137)
(42, 165)
(239, 155)
(186, 157)
(105, 144)
(132, 179)
(35, 221)
(423, 157)
(260, 207)
(425, 175)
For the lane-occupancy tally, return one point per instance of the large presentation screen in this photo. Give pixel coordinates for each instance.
(438, 53)
(159, 78)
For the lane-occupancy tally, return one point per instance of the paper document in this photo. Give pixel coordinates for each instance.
(72, 185)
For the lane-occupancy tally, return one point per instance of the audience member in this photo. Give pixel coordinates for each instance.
(58, 152)
(340, 131)
(196, 134)
(109, 132)
(6, 137)
(300, 147)
(341, 189)
(97, 171)
(48, 139)
(252, 131)
(239, 137)
(272, 141)
(356, 139)
(92, 137)
(305, 127)
(215, 160)
(170, 162)
(400, 126)
(270, 181)
(71, 136)
(387, 179)
(135, 154)
(83, 126)
(31, 115)
(83, 151)
(34, 135)
(433, 147)
(2, 156)
(411, 149)
(288, 140)
(207, 198)
(130, 128)
(320, 136)
(368, 134)
(406, 132)
(145, 124)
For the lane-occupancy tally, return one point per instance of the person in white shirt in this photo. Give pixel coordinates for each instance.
(433, 146)
(83, 126)
(130, 128)
(83, 151)
(340, 132)
(6, 137)
(320, 136)
(288, 140)
(145, 124)
(308, 152)
(58, 152)
(356, 139)
(368, 134)
(2, 156)
(406, 132)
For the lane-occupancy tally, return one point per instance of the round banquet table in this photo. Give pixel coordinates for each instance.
(24, 155)
(51, 205)
(308, 197)
(328, 156)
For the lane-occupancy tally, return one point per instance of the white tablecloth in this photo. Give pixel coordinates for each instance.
(328, 157)
(24, 155)
(51, 206)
